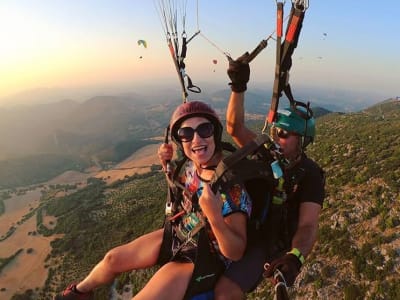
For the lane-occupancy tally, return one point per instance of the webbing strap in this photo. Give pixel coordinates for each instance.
(284, 53)
(238, 155)
(178, 69)
(275, 90)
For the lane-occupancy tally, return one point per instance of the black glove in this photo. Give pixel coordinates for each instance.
(289, 265)
(239, 73)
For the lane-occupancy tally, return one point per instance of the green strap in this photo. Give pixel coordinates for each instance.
(296, 252)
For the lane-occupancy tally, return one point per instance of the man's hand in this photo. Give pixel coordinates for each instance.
(289, 265)
(239, 73)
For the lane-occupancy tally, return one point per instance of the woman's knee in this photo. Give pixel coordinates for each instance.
(138, 254)
(111, 259)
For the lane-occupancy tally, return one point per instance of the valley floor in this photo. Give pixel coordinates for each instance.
(27, 270)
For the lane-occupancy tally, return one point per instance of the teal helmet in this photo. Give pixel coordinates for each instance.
(299, 120)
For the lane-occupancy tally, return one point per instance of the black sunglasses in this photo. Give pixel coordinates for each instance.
(204, 130)
(282, 133)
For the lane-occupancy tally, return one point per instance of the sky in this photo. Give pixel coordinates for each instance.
(91, 45)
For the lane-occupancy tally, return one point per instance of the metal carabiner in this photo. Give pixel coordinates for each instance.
(300, 4)
(168, 208)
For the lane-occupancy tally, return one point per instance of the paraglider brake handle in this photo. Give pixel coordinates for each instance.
(255, 52)
(279, 278)
(168, 162)
(280, 287)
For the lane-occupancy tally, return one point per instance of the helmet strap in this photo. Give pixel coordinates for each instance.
(303, 137)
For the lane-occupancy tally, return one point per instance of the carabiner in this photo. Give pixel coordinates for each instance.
(168, 208)
(300, 4)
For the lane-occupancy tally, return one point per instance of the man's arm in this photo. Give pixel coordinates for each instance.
(307, 228)
(302, 243)
(235, 124)
(239, 73)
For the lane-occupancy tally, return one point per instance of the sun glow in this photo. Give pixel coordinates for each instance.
(27, 51)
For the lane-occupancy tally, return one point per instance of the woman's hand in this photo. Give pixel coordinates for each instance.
(230, 231)
(211, 204)
(165, 153)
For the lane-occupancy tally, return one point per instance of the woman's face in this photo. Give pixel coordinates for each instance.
(197, 137)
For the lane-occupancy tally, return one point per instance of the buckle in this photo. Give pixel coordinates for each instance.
(168, 208)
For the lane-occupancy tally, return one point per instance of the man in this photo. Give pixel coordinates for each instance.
(284, 244)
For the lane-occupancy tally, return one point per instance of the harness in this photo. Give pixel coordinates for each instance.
(276, 229)
(233, 169)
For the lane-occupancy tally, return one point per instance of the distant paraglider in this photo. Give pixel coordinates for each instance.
(142, 43)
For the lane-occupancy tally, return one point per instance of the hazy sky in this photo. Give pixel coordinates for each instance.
(93, 43)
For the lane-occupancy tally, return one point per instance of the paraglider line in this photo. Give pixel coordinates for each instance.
(227, 54)
(215, 45)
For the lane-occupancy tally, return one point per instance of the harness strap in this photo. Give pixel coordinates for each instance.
(178, 69)
(284, 52)
(275, 90)
(184, 49)
(237, 156)
(207, 268)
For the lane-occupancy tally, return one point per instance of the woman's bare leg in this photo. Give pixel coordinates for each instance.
(169, 283)
(138, 254)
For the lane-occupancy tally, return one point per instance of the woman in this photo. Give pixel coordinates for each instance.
(196, 130)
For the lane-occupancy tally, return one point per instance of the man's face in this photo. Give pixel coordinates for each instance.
(290, 145)
(288, 141)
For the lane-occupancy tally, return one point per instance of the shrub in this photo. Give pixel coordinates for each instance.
(353, 292)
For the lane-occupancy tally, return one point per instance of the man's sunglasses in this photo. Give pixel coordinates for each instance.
(282, 133)
(204, 130)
